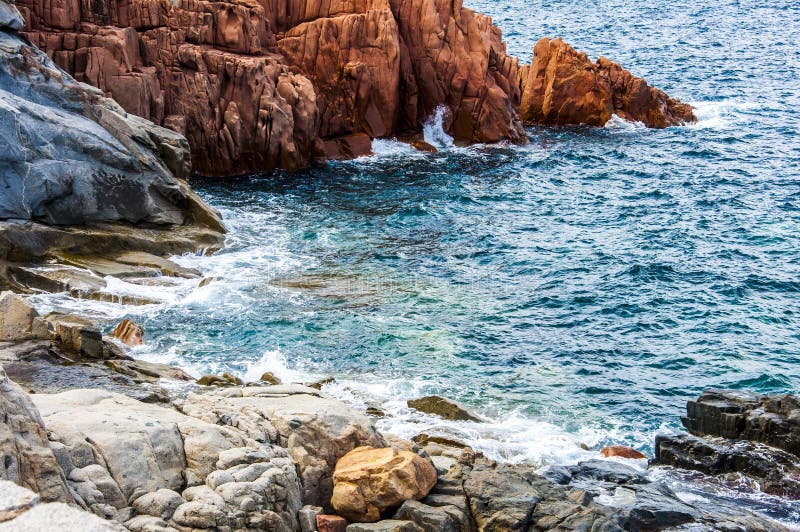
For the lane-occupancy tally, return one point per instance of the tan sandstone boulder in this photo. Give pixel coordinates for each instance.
(368, 481)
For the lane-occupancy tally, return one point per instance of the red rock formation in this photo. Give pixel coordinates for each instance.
(252, 84)
(353, 61)
(205, 69)
(563, 86)
(622, 451)
(128, 333)
(452, 56)
(263, 84)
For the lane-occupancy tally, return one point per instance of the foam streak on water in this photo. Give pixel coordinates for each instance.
(577, 290)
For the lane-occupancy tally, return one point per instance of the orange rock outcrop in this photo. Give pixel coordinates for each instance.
(563, 87)
(256, 85)
(261, 84)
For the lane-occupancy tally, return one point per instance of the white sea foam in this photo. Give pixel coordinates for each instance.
(720, 114)
(275, 362)
(433, 129)
(511, 437)
(388, 148)
(618, 123)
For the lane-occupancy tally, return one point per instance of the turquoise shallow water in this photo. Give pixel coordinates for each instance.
(575, 290)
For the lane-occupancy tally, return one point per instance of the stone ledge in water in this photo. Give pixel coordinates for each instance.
(444, 408)
(25, 242)
(734, 414)
(41, 367)
(777, 472)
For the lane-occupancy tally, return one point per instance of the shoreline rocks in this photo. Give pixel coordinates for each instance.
(278, 85)
(563, 87)
(368, 481)
(280, 456)
(738, 432)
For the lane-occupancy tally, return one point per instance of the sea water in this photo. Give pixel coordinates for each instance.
(574, 292)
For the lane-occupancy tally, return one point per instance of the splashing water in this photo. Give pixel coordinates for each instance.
(433, 130)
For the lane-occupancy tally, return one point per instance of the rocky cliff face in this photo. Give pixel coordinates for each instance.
(71, 156)
(563, 87)
(257, 85)
(253, 85)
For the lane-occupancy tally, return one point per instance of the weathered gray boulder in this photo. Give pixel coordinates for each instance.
(10, 17)
(25, 454)
(78, 175)
(21, 511)
(71, 156)
(15, 500)
(180, 471)
(316, 430)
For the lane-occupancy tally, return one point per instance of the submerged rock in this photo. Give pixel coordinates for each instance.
(563, 87)
(368, 481)
(444, 408)
(421, 145)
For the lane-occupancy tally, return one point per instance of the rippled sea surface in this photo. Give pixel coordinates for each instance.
(577, 290)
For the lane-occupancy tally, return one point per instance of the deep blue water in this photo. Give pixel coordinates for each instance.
(575, 290)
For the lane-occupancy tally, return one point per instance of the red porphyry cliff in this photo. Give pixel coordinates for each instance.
(253, 85)
(563, 87)
(263, 84)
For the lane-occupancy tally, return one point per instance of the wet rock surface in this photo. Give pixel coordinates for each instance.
(777, 472)
(740, 433)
